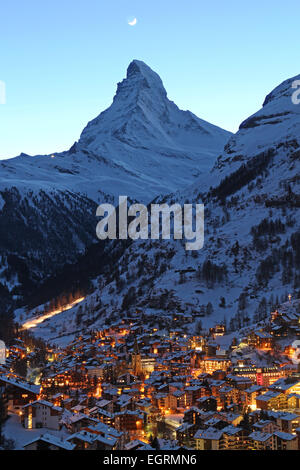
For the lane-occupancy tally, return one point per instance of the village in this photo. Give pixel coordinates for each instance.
(131, 386)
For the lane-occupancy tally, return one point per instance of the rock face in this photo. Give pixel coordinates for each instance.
(141, 146)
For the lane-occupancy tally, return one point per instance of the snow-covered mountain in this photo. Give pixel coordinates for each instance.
(159, 147)
(275, 127)
(251, 255)
(142, 146)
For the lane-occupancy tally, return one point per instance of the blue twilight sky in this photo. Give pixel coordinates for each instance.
(61, 60)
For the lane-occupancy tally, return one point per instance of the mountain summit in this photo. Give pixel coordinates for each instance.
(146, 133)
(138, 71)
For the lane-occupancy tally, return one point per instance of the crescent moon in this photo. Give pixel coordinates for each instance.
(133, 22)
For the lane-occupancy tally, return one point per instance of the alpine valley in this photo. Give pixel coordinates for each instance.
(145, 147)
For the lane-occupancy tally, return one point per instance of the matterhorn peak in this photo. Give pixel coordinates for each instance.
(141, 79)
(144, 140)
(141, 115)
(138, 68)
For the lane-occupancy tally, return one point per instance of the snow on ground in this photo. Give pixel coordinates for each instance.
(13, 429)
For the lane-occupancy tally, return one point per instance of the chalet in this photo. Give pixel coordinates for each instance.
(265, 426)
(77, 421)
(79, 409)
(234, 438)
(284, 324)
(228, 395)
(242, 381)
(49, 442)
(178, 399)
(287, 385)
(208, 439)
(18, 349)
(102, 415)
(109, 431)
(286, 441)
(261, 340)
(129, 420)
(86, 440)
(83, 440)
(106, 405)
(19, 391)
(123, 403)
(233, 419)
(248, 373)
(41, 414)
(136, 444)
(286, 422)
(192, 392)
(293, 401)
(207, 403)
(249, 395)
(218, 330)
(193, 416)
(185, 434)
(211, 364)
(271, 400)
(262, 441)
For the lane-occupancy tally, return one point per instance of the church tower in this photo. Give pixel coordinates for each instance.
(136, 362)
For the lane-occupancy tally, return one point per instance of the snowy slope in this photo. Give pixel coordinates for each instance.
(275, 126)
(252, 235)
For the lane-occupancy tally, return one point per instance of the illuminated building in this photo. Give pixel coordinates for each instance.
(41, 414)
(211, 364)
(136, 362)
(261, 340)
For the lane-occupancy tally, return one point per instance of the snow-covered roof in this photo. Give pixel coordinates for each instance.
(285, 436)
(53, 440)
(134, 444)
(231, 430)
(260, 436)
(90, 437)
(20, 383)
(210, 433)
(44, 403)
(286, 383)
